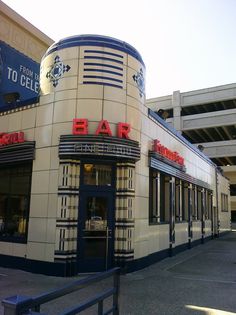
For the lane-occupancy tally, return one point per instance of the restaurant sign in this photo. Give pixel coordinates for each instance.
(102, 143)
(11, 138)
(168, 156)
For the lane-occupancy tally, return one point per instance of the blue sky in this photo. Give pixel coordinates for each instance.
(185, 44)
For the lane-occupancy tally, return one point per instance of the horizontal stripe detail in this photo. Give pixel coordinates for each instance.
(101, 146)
(102, 65)
(103, 83)
(104, 58)
(103, 52)
(65, 252)
(166, 168)
(19, 152)
(101, 77)
(104, 71)
(68, 193)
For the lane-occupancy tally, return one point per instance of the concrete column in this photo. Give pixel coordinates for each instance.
(176, 103)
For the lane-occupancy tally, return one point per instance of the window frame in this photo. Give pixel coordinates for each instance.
(224, 202)
(10, 196)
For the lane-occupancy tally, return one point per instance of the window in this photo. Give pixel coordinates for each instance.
(208, 212)
(178, 201)
(224, 203)
(164, 198)
(185, 203)
(199, 203)
(232, 189)
(15, 184)
(159, 193)
(160, 199)
(97, 174)
(194, 202)
(154, 213)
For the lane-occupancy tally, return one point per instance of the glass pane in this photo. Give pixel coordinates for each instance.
(96, 213)
(95, 248)
(14, 201)
(3, 205)
(95, 233)
(97, 174)
(4, 182)
(13, 216)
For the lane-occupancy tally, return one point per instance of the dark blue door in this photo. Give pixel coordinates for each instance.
(96, 231)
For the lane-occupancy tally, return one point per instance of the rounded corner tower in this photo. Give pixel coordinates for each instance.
(98, 76)
(98, 84)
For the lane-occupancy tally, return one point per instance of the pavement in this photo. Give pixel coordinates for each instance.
(200, 281)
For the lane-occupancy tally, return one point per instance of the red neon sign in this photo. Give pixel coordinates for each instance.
(80, 127)
(11, 138)
(167, 153)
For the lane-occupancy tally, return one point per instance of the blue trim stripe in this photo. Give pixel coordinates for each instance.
(97, 41)
(101, 77)
(102, 65)
(103, 83)
(104, 71)
(103, 52)
(103, 58)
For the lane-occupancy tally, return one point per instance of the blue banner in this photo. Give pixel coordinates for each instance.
(18, 74)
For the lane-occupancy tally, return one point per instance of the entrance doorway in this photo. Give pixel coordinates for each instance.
(96, 219)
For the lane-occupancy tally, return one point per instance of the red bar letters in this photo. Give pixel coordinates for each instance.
(103, 128)
(123, 130)
(80, 127)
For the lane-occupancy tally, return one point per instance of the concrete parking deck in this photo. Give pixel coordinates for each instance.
(199, 281)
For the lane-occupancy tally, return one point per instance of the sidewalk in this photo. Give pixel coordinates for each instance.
(199, 281)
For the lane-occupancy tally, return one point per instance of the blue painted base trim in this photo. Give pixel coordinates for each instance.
(63, 269)
(195, 243)
(180, 248)
(223, 233)
(208, 238)
(68, 269)
(143, 262)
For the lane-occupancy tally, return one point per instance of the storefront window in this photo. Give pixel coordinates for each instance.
(164, 198)
(199, 203)
(224, 203)
(194, 202)
(208, 205)
(178, 201)
(15, 183)
(185, 203)
(154, 215)
(160, 199)
(97, 174)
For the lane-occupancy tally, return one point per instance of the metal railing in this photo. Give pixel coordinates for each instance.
(23, 305)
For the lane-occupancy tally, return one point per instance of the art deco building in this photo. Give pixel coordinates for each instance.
(90, 177)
